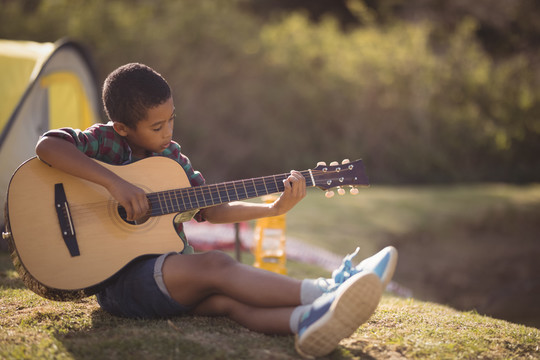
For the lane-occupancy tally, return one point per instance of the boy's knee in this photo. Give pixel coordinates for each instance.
(217, 259)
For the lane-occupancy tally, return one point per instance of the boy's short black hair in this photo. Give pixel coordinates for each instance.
(132, 89)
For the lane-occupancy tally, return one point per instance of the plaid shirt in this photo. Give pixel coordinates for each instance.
(101, 142)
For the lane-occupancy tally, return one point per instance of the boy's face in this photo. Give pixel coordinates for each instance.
(153, 133)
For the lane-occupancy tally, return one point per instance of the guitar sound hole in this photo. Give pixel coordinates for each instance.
(123, 215)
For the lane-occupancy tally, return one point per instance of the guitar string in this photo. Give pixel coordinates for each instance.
(209, 195)
(215, 191)
(155, 202)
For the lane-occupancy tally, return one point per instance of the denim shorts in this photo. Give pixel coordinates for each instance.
(138, 291)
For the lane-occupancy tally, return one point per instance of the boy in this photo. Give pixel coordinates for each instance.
(140, 107)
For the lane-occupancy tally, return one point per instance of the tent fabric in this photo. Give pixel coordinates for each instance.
(42, 86)
(18, 60)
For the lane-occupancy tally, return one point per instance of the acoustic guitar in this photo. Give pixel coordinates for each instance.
(68, 236)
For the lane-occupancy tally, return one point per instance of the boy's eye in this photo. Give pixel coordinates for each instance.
(157, 129)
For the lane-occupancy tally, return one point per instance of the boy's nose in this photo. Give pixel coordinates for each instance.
(168, 131)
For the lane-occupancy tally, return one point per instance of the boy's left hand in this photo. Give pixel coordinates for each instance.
(295, 190)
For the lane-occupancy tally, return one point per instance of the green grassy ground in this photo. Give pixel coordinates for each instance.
(32, 327)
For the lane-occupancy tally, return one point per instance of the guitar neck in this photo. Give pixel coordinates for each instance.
(198, 197)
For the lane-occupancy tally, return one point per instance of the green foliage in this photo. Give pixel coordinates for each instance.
(413, 114)
(259, 97)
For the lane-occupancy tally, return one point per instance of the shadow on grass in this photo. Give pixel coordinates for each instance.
(186, 337)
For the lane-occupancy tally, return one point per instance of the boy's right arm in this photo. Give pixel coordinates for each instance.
(63, 155)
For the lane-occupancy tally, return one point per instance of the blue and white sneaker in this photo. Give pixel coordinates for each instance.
(336, 315)
(383, 264)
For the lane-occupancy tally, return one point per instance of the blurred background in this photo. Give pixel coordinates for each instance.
(425, 91)
(428, 92)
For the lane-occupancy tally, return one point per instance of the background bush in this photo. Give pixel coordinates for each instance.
(418, 101)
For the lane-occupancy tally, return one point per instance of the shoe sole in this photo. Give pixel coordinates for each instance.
(356, 302)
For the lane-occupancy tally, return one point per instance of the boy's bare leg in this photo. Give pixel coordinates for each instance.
(268, 320)
(190, 279)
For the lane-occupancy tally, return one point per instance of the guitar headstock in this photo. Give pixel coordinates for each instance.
(338, 175)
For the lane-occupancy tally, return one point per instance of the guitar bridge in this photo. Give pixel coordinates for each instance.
(65, 220)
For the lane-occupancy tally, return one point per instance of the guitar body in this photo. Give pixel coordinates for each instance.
(106, 243)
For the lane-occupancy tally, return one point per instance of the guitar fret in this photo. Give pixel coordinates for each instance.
(225, 190)
(183, 201)
(160, 205)
(278, 180)
(219, 200)
(260, 187)
(209, 195)
(236, 191)
(270, 188)
(232, 192)
(265, 188)
(197, 188)
(165, 201)
(275, 182)
(245, 190)
(201, 201)
(170, 201)
(178, 208)
(255, 187)
(196, 196)
(192, 199)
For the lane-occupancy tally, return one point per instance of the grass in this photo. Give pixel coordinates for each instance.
(35, 328)
(32, 327)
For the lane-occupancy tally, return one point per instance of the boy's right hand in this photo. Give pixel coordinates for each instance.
(131, 197)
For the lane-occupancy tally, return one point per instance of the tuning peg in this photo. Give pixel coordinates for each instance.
(345, 161)
(354, 191)
(334, 163)
(341, 191)
(329, 194)
(321, 163)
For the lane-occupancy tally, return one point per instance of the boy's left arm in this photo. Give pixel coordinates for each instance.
(238, 211)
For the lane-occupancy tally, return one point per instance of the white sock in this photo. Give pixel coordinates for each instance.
(311, 289)
(296, 315)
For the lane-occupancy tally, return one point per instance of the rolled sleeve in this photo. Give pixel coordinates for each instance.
(100, 142)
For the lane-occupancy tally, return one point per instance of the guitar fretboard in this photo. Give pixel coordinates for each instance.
(198, 197)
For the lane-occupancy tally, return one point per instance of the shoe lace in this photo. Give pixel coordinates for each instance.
(344, 272)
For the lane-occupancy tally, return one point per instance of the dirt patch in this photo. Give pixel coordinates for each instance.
(491, 265)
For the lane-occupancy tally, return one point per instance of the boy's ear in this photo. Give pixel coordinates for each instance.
(120, 128)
